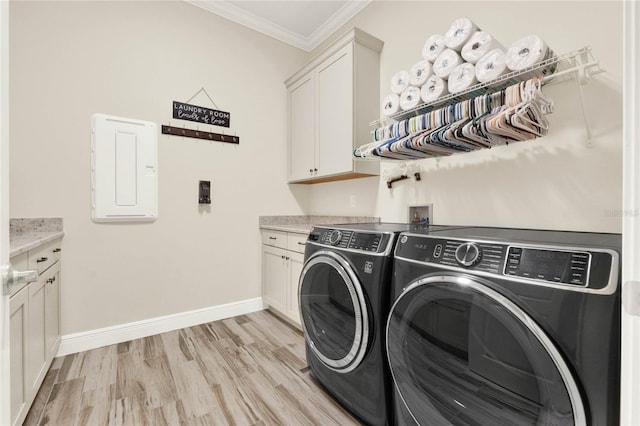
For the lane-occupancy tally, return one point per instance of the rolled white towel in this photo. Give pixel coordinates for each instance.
(434, 88)
(479, 45)
(446, 62)
(491, 66)
(410, 98)
(462, 77)
(399, 82)
(433, 47)
(419, 73)
(391, 104)
(526, 52)
(459, 33)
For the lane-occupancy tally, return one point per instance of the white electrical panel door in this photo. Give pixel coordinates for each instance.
(124, 160)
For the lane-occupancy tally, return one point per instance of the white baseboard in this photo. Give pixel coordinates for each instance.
(86, 340)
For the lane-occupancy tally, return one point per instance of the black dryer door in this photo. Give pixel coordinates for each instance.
(461, 353)
(333, 311)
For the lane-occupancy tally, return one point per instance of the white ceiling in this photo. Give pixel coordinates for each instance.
(302, 23)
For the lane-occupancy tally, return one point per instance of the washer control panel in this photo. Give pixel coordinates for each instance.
(479, 256)
(530, 262)
(475, 255)
(569, 267)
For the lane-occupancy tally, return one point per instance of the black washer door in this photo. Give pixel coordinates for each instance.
(333, 311)
(463, 354)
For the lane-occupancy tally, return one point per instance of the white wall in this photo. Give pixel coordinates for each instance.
(557, 182)
(132, 59)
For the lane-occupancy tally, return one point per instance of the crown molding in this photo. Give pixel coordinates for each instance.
(236, 14)
(337, 20)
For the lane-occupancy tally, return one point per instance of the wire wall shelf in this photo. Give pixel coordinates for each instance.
(578, 64)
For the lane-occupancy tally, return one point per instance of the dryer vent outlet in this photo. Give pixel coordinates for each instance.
(421, 215)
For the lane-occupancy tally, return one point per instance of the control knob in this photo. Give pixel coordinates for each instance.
(334, 237)
(468, 254)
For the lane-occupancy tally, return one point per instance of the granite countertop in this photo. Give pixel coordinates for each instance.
(27, 234)
(303, 224)
(295, 228)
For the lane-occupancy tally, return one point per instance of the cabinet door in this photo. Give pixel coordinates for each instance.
(294, 269)
(335, 113)
(52, 313)
(274, 277)
(302, 129)
(37, 338)
(19, 338)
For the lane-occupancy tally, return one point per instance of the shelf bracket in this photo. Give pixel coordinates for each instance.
(390, 182)
(583, 69)
(584, 112)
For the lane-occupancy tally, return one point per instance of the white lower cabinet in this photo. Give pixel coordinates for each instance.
(296, 260)
(282, 260)
(52, 313)
(34, 327)
(37, 340)
(19, 340)
(274, 269)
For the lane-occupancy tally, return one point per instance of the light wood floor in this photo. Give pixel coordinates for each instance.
(246, 370)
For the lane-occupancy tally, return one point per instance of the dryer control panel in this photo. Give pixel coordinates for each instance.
(371, 242)
(579, 267)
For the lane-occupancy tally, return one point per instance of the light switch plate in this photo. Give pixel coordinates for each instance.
(204, 192)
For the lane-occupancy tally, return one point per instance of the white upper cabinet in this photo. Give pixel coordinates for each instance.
(302, 112)
(331, 102)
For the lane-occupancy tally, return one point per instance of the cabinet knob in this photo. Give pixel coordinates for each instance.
(287, 257)
(51, 280)
(315, 170)
(42, 259)
(310, 170)
(57, 250)
(273, 238)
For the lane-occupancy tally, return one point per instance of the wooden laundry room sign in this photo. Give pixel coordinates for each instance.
(200, 114)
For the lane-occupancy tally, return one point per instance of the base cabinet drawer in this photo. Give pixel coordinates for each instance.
(296, 242)
(41, 258)
(274, 239)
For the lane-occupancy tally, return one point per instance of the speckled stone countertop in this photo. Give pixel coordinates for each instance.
(303, 224)
(26, 234)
